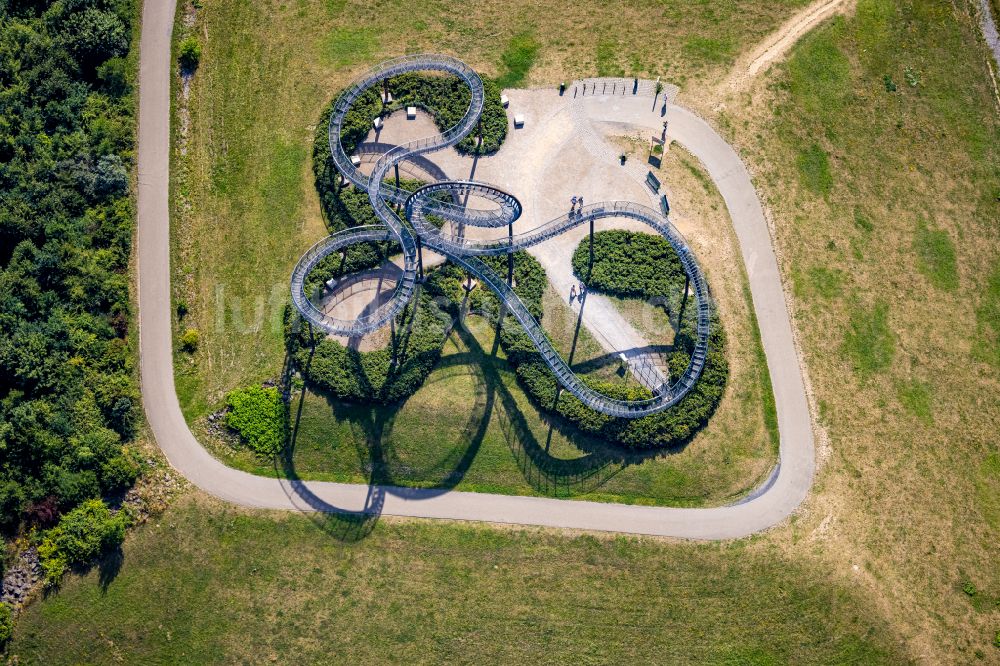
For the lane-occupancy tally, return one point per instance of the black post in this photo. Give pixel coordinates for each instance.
(420, 259)
(684, 301)
(510, 256)
(396, 167)
(392, 337)
(591, 267)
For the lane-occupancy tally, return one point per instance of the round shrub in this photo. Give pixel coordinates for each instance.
(119, 473)
(189, 340)
(6, 623)
(258, 414)
(81, 535)
(189, 55)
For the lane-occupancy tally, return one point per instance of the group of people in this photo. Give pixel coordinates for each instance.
(576, 205)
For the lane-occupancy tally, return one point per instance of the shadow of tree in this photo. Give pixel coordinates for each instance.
(109, 566)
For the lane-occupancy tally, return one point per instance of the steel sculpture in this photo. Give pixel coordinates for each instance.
(427, 201)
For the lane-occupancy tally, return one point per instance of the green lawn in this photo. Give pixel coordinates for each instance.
(206, 584)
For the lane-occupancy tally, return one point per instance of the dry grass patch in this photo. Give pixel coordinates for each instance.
(890, 243)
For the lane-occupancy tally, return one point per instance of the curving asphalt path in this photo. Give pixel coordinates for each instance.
(787, 491)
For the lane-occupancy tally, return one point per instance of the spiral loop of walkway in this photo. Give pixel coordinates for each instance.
(442, 199)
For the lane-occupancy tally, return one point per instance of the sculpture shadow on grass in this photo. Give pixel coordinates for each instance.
(383, 471)
(344, 524)
(547, 473)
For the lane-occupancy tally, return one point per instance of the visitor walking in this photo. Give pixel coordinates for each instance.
(572, 294)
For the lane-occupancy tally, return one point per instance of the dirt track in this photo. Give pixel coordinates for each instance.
(775, 46)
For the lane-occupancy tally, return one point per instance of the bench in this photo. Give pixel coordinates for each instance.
(504, 101)
(411, 112)
(518, 120)
(355, 160)
(664, 205)
(653, 182)
(377, 123)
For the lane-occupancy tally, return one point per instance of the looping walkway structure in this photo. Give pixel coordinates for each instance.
(442, 199)
(765, 508)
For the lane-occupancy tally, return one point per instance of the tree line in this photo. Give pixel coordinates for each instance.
(69, 403)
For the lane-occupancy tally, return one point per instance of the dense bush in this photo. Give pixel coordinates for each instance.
(387, 375)
(189, 339)
(669, 428)
(67, 396)
(628, 263)
(6, 623)
(189, 55)
(259, 415)
(81, 535)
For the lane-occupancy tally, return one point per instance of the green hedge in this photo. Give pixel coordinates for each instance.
(653, 266)
(630, 264)
(445, 98)
(259, 415)
(388, 375)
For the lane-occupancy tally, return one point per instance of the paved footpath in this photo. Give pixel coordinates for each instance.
(194, 462)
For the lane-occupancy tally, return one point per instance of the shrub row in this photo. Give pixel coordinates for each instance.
(645, 265)
(447, 99)
(388, 375)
